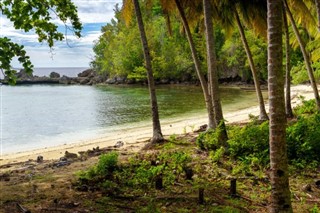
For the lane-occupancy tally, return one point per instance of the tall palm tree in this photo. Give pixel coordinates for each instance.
(317, 3)
(254, 13)
(280, 194)
(305, 55)
(213, 73)
(289, 112)
(157, 134)
(203, 81)
(263, 114)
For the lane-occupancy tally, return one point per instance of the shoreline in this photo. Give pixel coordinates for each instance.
(135, 138)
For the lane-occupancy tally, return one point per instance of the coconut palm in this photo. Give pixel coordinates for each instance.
(280, 194)
(304, 53)
(254, 13)
(213, 73)
(263, 114)
(317, 3)
(203, 81)
(157, 134)
(289, 112)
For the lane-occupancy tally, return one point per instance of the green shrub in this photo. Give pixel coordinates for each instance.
(300, 75)
(250, 142)
(208, 140)
(303, 140)
(104, 168)
(307, 107)
(107, 163)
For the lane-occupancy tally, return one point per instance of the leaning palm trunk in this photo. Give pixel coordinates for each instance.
(305, 56)
(263, 114)
(317, 2)
(280, 194)
(289, 112)
(213, 74)
(157, 135)
(203, 82)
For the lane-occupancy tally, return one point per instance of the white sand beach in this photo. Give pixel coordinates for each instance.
(136, 137)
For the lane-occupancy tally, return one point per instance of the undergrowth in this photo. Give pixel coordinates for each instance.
(204, 164)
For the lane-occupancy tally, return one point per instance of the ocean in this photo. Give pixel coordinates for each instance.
(39, 116)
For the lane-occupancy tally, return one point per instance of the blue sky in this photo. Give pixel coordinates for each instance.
(93, 14)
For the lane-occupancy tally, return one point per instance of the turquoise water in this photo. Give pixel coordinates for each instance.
(38, 116)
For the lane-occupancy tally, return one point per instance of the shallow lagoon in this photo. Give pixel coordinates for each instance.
(37, 116)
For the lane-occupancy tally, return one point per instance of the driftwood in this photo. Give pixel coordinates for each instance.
(22, 209)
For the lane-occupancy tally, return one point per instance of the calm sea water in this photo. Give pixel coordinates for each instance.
(37, 116)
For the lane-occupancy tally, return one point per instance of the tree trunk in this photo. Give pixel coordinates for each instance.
(168, 22)
(213, 73)
(157, 134)
(317, 2)
(305, 56)
(203, 82)
(263, 114)
(280, 194)
(289, 112)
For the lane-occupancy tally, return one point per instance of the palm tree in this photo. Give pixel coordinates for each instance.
(305, 55)
(203, 81)
(289, 112)
(280, 194)
(317, 3)
(157, 134)
(254, 13)
(212, 72)
(263, 114)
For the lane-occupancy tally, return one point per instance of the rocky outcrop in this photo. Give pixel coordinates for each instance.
(54, 75)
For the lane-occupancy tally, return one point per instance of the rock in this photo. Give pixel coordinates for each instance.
(40, 159)
(84, 81)
(64, 80)
(307, 188)
(23, 75)
(87, 73)
(63, 159)
(111, 81)
(54, 75)
(202, 128)
(118, 144)
(70, 155)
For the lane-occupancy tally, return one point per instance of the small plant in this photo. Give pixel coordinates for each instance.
(307, 107)
(217, 155)
(315, 209)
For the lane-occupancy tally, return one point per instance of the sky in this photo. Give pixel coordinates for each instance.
(76, 52)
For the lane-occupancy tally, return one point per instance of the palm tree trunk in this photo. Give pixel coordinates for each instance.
(157, 134)
(213, 73)
(317, 2)
(288, 68)
(280, 194)
(305, 55)
(263, 114)
(168, 21)
(203, 82)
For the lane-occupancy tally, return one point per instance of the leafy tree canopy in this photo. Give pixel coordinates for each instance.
(36, 15)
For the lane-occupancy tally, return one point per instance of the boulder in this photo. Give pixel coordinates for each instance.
(65, 80)
(23, 75)
(87, 73)
(54, 75)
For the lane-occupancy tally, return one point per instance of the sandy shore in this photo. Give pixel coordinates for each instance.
(135, 138)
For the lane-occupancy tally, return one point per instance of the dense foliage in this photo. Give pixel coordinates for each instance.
(118, 51)
(250, 143)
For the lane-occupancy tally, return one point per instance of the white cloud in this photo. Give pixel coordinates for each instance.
(96, 11)
(80, 53)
